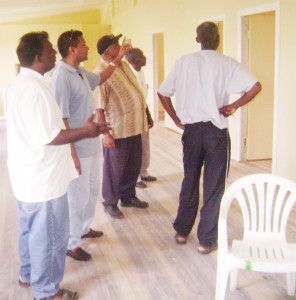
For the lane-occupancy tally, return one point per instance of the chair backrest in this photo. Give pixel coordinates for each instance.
(265, 200)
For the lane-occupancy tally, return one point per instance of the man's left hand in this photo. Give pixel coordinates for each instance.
(227, 110)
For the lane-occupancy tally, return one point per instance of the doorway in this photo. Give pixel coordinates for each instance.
(258, 55)
(158, 73)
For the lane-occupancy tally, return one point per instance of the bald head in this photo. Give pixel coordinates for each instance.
(208, 35)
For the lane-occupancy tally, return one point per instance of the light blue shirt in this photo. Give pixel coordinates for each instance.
(73, 90)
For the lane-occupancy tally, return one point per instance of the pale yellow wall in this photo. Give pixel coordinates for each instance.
(91, 34)
(178, 20)
(87, 22)
(82, 17)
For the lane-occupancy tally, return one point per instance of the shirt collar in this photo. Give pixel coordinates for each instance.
(31, 72)
(70, 68)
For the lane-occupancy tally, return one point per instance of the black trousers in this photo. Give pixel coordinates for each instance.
(203, 145)
(121, 169)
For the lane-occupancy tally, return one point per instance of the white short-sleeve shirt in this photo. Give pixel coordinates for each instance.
(202, 83)
(38, 172)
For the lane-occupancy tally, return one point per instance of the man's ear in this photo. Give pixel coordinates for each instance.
(197, 39)
(37, 59)
(71, 50)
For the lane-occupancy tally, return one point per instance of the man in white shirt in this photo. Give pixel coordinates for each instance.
(41, 168)
(137, 60)
(202, 82)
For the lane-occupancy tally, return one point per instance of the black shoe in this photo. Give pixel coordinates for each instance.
(114, 211)
(79, 254)
(149, 178)
(92, 234)
(134, 202)
(141, 185)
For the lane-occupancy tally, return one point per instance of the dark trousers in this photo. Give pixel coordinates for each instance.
(121, 169)
(203, 145)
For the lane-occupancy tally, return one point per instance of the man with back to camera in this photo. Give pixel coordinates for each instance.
(122, 103)
(202, 82)
(72, 86)
(40, 169)
(137, 60)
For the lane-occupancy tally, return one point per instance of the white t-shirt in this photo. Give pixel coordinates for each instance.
(38, 172)
(202, 82)
(141, 80)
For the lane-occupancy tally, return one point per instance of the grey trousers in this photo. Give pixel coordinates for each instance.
(145, 154)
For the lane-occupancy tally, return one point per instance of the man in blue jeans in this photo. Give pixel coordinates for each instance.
(202, 82)
(40, 169)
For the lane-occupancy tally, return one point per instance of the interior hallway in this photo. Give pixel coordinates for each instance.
(137, 258)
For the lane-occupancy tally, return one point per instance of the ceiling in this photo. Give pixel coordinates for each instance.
(16, 10)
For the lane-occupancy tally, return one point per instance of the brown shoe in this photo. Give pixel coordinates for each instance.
(114, 211)
(92, 234)
(206, 249)
(134, 202)
(149, 178)
(141, 184)
(79, 254)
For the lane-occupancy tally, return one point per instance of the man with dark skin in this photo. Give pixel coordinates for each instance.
(122, 104)
(41, 168)
(202, 82)
(137, 60)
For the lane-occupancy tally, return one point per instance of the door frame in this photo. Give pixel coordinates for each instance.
(242, 124)
(155, 67)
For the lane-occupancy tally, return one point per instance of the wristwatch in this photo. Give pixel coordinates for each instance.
(112, 64)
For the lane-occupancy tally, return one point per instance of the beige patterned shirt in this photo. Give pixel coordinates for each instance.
(123, 102)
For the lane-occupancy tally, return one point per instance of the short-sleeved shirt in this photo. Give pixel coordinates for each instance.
(141, 81)
(38, 172)
(202, 82)
(73, 91)
(123, 102)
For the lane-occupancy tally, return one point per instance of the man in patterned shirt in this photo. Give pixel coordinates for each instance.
(121, 102)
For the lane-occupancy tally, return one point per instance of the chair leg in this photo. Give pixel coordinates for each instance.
(291, 284)
(233, 279)
(221, 282)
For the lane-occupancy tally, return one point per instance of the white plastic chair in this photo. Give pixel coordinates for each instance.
(266, 201)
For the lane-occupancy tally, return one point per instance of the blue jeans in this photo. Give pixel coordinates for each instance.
(43, 239)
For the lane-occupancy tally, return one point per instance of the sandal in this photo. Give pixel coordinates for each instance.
(64, 294)
(203, 249)
(24, 284)
(180, 240)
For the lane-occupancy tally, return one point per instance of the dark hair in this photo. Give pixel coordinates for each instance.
(208, 35)
(68, 39)
(30, 46)
(133, 55)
